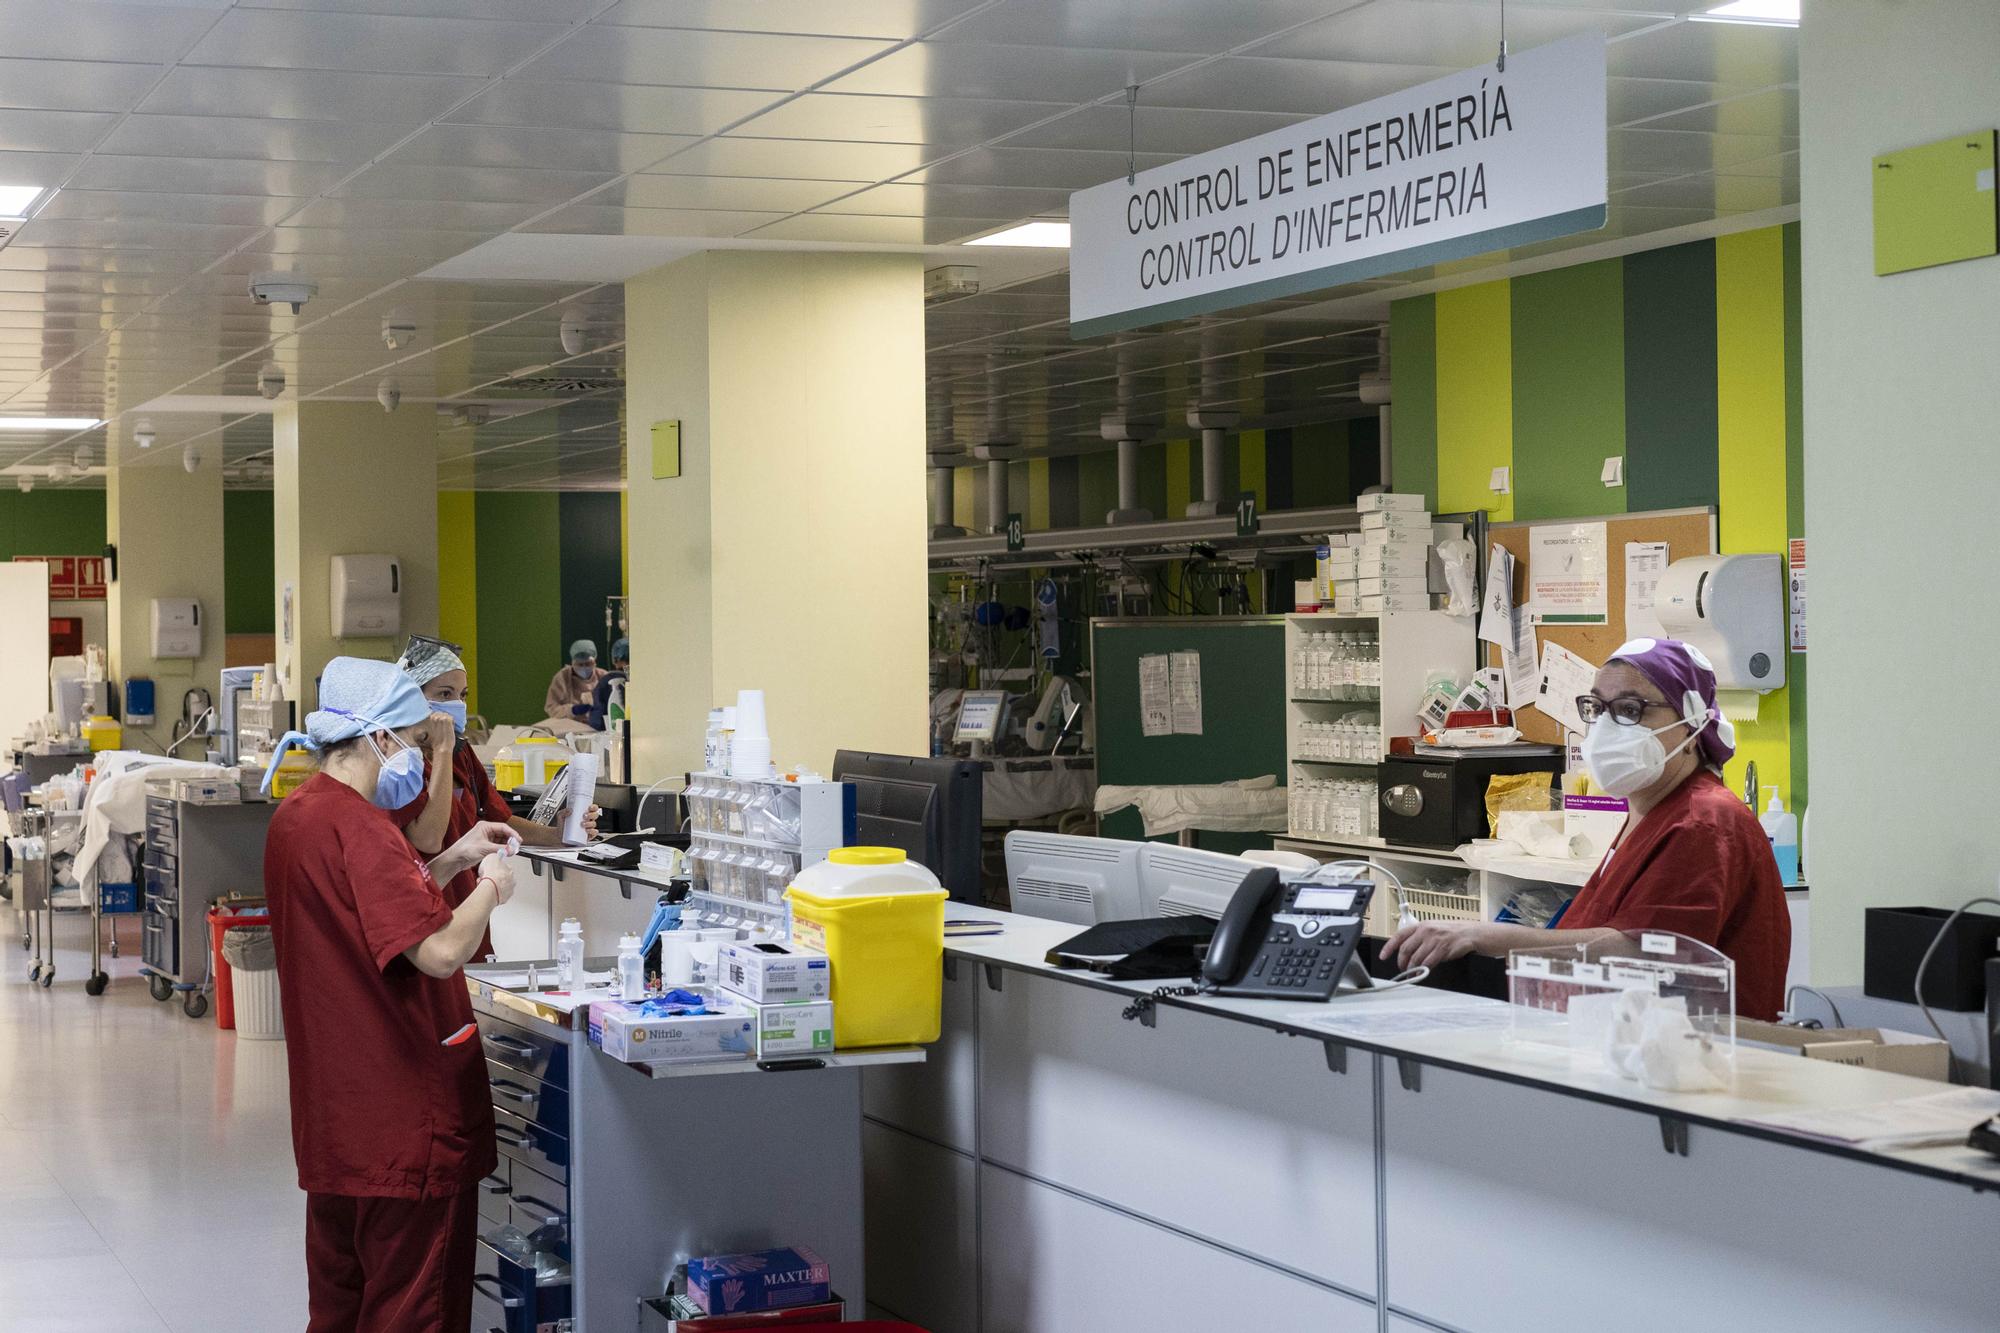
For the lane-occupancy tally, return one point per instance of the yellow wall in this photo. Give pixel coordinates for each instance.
(789, 556)
(351, 480)
(458, 582)
(167, 526)
(1475, 397)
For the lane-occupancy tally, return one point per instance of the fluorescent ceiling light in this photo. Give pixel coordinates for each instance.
(16, 200)
(48, 423)
(1039, 235)
(1772, 13)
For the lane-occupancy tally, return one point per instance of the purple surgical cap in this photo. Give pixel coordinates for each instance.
(1686, 676)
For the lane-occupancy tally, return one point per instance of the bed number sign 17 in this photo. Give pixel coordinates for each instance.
(1246, 514)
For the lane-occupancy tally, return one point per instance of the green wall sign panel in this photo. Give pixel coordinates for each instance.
(1935, 204)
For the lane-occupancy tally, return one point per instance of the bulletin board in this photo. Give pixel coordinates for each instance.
(1243, 707)
(1685, 531)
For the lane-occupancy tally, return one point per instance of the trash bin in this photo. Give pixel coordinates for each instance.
(220, 918)
(253, 982)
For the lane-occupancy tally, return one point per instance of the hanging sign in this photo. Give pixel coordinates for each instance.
(1472, 162)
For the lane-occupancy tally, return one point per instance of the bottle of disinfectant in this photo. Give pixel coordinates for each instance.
(1783, 831)
(569, 954)
(631, 969)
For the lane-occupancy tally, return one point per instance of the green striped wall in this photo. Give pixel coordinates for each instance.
(1683, 360)
(521, 574)
(51, 522)
(249, 596)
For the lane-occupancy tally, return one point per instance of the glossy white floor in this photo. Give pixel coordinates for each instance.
(146, 1179)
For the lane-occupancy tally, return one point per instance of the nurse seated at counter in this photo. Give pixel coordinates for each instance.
(1691, 858)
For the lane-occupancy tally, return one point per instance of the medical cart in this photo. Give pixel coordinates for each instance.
(195, 853)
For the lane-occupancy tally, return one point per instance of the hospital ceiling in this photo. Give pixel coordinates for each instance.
(543, 149)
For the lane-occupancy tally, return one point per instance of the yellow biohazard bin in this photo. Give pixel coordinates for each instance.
(879, 918)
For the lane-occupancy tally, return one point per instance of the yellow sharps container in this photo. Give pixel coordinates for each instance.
(879, 918)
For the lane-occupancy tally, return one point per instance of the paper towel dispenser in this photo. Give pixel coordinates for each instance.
(367, 597)
(176, 627)
(1731, 607)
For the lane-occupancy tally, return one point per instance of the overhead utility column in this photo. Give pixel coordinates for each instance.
(163, 513)
(782, 545)
(1214, 424)
(354, 480)
(1129, 435)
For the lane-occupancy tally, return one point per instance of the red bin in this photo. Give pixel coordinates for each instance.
(225, 997)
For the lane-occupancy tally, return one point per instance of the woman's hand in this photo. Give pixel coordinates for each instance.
(1428, 943)
(440, 735)
(482, 840)
(500, 869)
(590, 823)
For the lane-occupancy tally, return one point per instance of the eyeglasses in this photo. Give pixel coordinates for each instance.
(1626, 710)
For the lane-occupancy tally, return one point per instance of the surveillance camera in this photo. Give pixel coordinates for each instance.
(573, 327)
(191, 458)
(388, 393)
(292, 289)
(397, 329)
(142, 434)
(83, 458)
(271, 380)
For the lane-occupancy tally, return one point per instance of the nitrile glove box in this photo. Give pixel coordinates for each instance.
(627, 1032)
(769, 973)
(793, 1028)
(761, 1280)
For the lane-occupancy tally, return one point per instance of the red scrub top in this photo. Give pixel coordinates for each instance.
(1699, 864)
(379, 1106)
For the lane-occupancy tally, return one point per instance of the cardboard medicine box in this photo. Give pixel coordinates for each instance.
(1398, 520)
(768, 973)
(1380, 501)
(627, 1032)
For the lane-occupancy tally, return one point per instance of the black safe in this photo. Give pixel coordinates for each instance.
(1432, 801)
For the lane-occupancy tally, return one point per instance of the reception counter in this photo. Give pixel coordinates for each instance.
(1057, 1166)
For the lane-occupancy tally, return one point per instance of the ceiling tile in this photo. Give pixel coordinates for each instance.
(546, 11)
(1290, 87)
(1455, 34)
(472, 184)
(73, 85)
(893, 19)
(727, 192)
(304, 94)
(448, 215)
(1678, 152)
(233, 210)
(1202, 26)
(953, 201)
(52, 131)
(258, 139)
(203, 175)
(379, 43)
(1171, 130)
(885, 230)
(1772, 112)
(1030, 168)
(588, 218)
(1746, 55)
(1026, 73)
(623, 107)
(516, 146)
(932, 121)
(65, 29)
(701, 59)
(821, 159)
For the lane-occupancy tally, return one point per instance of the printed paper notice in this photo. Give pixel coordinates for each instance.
(1184, 687)
(1645, 563)
(1564, 677)
(1568, 579)
(1796, 584)
(1156, 709)
(1496, 613)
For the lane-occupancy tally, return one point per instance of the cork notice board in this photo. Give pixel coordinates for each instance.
(1685, 531)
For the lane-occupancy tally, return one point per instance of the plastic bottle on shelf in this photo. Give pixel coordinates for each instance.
(569, 954)
(1782, 829)
(631, 969)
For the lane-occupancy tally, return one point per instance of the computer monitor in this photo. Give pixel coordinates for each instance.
(1065, 878)
(979, 715)
(1187, 881)
(928, 807)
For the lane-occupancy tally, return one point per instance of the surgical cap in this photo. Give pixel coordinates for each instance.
(582, 648)
(427, 659)
(357, 695)
(621, 650)
(1685, 675)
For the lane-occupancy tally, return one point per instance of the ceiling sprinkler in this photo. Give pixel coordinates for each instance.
(388, 393)
(142, 433)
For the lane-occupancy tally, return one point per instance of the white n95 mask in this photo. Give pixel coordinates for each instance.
(1624, 761)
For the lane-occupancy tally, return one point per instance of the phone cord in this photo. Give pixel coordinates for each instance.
(1142, 1008)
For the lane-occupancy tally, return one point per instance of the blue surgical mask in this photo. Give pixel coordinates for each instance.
(453, 709)
(401, 778)
(585, 670)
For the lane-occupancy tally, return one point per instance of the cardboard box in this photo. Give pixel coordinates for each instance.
(1394, 562)
(1400, 540)
(769, 973)
(1398, 587)
(1412, 520)
(1395, 602)
(793, 1028)
(1871, 1048)
(1305, 595)
(1595, 819)
(762, 1280)
(1380, 501)
(627, 1032)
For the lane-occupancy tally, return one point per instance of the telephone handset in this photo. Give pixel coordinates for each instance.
(1289, 941)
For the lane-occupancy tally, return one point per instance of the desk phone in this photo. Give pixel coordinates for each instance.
(1295, 941)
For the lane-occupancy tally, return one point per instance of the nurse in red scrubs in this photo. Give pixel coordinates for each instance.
(1691, 858)
(392, 1119)
(457, 794)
